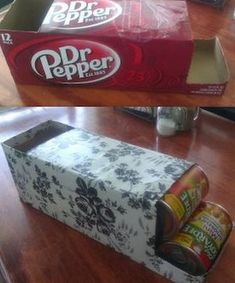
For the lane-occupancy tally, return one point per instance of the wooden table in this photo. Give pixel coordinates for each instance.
(206, 22)
(35, 248)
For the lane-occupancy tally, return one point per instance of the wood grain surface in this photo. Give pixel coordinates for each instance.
(35, 248)
(207, 22)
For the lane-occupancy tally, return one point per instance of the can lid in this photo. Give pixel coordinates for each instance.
(182, 257)
(167, 223)
(206, 188)
(224, 210)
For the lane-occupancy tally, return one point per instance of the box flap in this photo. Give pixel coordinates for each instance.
(208, 63)
(25, 15)
(133, 19)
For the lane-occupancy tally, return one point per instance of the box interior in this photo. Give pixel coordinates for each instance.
(40, 138)
(23, 16)
(208, 63)
(41, 135)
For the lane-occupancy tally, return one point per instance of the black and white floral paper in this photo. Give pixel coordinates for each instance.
(102, 187)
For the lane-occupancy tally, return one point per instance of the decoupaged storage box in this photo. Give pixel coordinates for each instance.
(102, 187)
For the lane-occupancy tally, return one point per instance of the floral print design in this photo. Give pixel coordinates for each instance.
(127, 175)
(123, 149)
(42, 185)
(122, 237)
(141, 202)
(92, 210)
(85, 168)
(11, 162)
(175, 169)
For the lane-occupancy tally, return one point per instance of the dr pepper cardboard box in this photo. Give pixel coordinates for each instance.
(123, 44)
(102, 187)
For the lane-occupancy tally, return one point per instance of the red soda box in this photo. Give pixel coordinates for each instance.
(125, 44)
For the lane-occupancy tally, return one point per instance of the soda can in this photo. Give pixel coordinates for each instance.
(178, 204)
(199, 243)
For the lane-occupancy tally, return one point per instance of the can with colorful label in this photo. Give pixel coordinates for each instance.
(198, 244)
(178, 204)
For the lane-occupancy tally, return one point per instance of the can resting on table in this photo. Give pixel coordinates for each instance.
(178, 204)
(197, 246)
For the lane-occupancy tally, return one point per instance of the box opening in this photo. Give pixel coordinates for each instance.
(38, 135)
(39, 138)
(208, 65)
(25, 15)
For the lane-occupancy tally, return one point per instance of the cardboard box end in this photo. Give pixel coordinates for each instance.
(208, 65)
(208, 73)
(38, 135)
